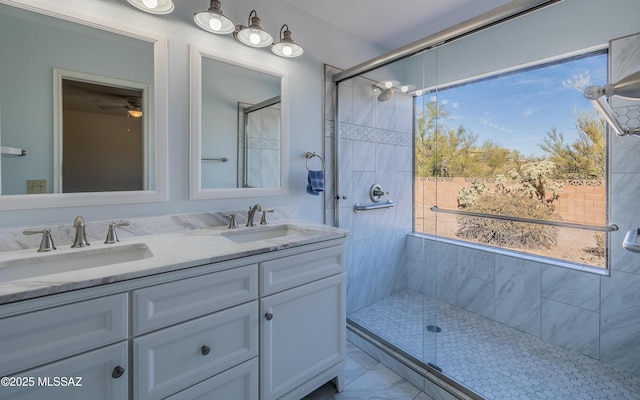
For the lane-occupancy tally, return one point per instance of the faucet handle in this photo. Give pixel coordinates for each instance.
(112, 237)
(263, 220)
(47, 241)
(233, 223)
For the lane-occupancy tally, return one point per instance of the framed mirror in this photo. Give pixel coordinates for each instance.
(84, 102)
(239, 130)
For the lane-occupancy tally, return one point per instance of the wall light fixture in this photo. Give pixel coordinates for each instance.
(253, 35)
(153, 6)
(286, 47)
(213, 21)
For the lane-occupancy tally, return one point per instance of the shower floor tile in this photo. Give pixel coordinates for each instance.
(492, 359)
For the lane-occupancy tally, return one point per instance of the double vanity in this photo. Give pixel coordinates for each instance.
(216, 313)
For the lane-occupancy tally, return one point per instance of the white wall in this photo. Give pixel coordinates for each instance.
(322, 44)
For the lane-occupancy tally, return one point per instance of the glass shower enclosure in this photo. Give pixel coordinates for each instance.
(482, 322)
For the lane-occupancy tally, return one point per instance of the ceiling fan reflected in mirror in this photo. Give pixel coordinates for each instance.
(133, 105)
(102, 99)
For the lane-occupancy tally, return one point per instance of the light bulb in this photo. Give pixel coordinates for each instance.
(418, 92)
(254, 38)
(150, 3)
(388, 84)
(404, 88)
(287, 50)
(215, 24)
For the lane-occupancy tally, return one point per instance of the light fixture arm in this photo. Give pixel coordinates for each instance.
(628, 87)
(285, 27)
(252, 21)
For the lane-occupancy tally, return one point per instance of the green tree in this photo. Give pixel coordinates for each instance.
(585, 158)
(448, 152)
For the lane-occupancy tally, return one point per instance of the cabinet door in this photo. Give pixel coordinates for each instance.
(302, 334)
(97, 375)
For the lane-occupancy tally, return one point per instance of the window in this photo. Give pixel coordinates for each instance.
(524, 144)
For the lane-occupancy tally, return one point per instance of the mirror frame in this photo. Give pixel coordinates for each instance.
(197, 54)
(158, 124)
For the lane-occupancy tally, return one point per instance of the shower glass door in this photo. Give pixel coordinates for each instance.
(390, 270)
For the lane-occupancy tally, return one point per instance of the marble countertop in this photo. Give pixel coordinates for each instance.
(170, 252)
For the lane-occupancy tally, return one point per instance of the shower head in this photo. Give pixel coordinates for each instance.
(628, 87)
(384, 94)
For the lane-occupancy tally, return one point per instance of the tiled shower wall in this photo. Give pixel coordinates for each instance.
(595, 315)
(263, 149)
(375, 147)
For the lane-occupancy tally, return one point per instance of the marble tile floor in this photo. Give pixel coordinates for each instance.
(367, 379)
(492, 359)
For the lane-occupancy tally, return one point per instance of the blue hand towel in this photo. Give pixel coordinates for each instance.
(315, 182)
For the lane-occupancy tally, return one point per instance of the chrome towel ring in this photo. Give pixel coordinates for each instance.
(310, 156)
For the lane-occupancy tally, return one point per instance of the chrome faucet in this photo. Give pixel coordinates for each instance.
(47, 241)
(252, 214)
(81, 236)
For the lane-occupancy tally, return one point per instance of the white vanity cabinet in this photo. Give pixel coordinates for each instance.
(261, 327)
(302, 326)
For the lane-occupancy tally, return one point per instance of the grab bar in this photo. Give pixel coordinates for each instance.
(357, 207)
(608, 228)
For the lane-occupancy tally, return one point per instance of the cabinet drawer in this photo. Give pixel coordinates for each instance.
(175, 358)
(288, 272)
(163, 305)
(95, 369)
(42, 336)
(238, 383)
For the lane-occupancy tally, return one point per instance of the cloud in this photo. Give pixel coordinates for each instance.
(501, 128)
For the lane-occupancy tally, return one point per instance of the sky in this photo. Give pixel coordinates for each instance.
(516, 110)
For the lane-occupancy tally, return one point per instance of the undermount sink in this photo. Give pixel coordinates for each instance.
(261, 233)
(73, 260)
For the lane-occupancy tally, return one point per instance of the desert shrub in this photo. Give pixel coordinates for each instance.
(508, 233)
(525, 193)
(599, 248)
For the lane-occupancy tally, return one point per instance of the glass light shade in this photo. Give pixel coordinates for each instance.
(153, 6)
(254, 35)
(135, 113)
(284, 49)
(213, 21)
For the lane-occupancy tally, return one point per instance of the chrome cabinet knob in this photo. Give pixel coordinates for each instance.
(204, 350)
(268, 316)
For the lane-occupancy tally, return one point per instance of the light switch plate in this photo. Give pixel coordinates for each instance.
(36, 186)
